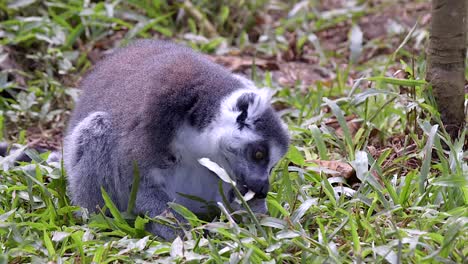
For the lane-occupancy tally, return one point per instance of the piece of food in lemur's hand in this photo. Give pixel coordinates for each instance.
(164, 107)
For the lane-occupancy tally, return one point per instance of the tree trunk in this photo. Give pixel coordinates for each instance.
(446, 61)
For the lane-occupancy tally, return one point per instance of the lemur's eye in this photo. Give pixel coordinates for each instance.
(258, 152)
(259, 155)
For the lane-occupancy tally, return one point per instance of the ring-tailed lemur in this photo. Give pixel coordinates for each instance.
(164, 107)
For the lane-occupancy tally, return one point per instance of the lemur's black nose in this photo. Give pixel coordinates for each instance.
(260, 187)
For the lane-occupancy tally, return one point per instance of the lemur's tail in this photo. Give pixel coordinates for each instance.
(14, 153)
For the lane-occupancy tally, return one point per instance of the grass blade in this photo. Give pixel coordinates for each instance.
(427, 159)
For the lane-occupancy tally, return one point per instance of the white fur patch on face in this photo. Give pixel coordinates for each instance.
(261, 102)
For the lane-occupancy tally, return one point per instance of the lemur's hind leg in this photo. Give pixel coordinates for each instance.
(88, 160)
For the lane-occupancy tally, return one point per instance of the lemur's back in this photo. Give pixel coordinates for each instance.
(147, 70)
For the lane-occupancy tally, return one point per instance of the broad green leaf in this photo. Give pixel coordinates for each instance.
(295, 156)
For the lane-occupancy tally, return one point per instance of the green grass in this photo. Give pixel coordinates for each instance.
(410, 202)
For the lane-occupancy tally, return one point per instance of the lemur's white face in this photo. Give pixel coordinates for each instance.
(251, 139)
(247, 139)
(251, 164)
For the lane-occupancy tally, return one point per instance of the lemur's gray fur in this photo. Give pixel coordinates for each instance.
(165, 107)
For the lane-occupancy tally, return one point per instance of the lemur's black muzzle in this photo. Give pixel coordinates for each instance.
(259, 186)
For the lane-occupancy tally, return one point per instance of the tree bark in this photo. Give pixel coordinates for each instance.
(446, 61)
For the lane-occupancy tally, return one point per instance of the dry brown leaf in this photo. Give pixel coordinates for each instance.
(333, 122)
(351, 121)
(353, 127)
(344, 169)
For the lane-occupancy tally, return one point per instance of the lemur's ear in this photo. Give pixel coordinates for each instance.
(242, 105)
(250, 105)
